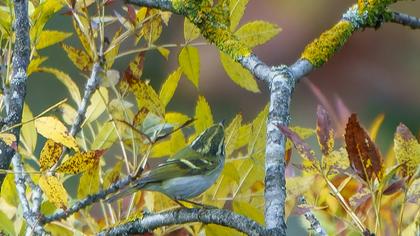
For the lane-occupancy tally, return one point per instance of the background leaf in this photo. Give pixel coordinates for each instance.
(238, 74)
(189, 61)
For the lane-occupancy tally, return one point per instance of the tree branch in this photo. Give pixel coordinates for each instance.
(89, 200)
(15, 94)
(149, 222)
(31, 215)
(404, 19)
(91, 86)
(311, 218)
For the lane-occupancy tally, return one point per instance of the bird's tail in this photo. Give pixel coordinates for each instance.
(124, 192)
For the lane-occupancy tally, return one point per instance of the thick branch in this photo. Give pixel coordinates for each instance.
(89, 200)
(404, 19)
(149, 222)
(15, 94)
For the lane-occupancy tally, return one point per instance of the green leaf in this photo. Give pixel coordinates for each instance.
(66, 80)
(8, 190)
(237, 9)
(189, 61)
(89, 182)
(6, 226)
(238, 74)
(169, 87)
(28, 129)
(50, 37)
(191, 31)
(256, 33)
(203, 115)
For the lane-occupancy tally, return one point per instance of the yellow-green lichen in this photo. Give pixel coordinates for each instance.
(321, 49)
(376, 10)
(213, 22)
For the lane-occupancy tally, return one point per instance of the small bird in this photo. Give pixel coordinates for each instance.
(188, 173)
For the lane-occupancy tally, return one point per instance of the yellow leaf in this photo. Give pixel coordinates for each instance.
(106, 137)
(111, 54)
(298, 185)
(89, 182)
(169, 147)
(8, 190)
(169, 87)
(69, 113)
(257, 33)
(231, 134)
(176, 118)
(50, 154)
(35, 63)
(79, 58)
(203, 115)
(66, 80)
(55, 191)
(335, 161)
(217, 230)
(238, 74)
(376, 124)
(189, 61)
(7, 225)
(98, 103)
(51, 128)
(407, 150)
(50, 37)
(256, 146)
(191, 31)
(112, 175)
(164, 52)
(7, 138)
(28, 130)
(152, 28)
(42, 14)
(246, 209)
(80, 162)
(82, 35)
(237, 9)
(5, 23)
(244, 135)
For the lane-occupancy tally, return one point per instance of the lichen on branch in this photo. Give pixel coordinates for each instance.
(321, 49)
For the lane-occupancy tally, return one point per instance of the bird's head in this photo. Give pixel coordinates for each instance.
(210, 141)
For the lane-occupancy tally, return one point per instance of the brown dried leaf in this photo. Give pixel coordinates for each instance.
(324, 131)
(364, 156)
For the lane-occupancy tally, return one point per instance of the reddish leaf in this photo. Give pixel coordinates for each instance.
(303, 148)
(324, 131)
(131, 14)
(288, 156)
(363, 154)
(394, 187)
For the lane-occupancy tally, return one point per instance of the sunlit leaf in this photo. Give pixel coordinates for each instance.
(231, 134)
(257, 33)
(50, 154)
(203, 115)
(6, 226)
(413, 194)
(325, 133)
(42, 14)
(191, 31)
(238, 74)
(66, 80)
(35, 63)
(80, 162)
(55, 191)
(237, 9)
(217, 230)
(84, 40)
(152, 28)
(376, 124)
(28, 130)
(363, 154)
(257, 139)
(243, 136)
(169, 87)
(89, 182)
(176, 118)
(112, 175)
(164, 52)
(50, 37)
(111, 54)
(8, 190)
(407, 150)
(51, 128)
(79, 58)
(246, 209)
(189, 61)
(97, 106)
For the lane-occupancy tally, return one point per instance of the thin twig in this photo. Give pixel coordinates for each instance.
(311, 218)
(404, 19)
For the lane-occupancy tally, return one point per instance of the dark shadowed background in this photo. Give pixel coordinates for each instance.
(377, 71)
